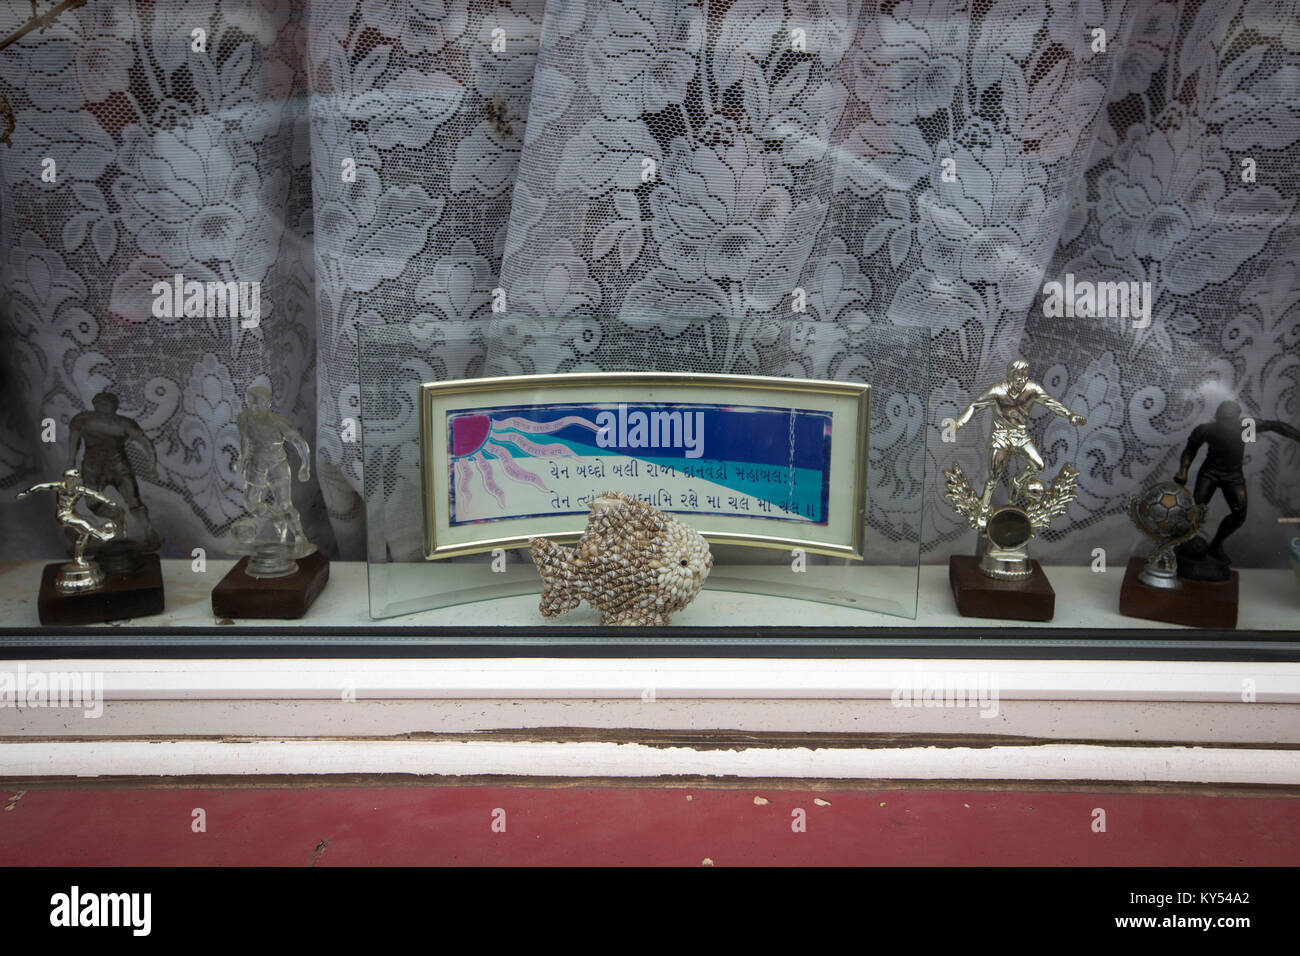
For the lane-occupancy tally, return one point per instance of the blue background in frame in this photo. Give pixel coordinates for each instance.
(777, 455)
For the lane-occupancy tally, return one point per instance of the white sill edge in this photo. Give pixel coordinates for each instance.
(694, 679)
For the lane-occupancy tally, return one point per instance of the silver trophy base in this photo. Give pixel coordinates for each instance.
(74, 578)
(1006, 565)
(1008, 532)
(1157, 577)
(1161, 569)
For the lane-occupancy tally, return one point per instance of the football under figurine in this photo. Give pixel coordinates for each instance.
(1167, 513)
(633, 563)
(1155, 588)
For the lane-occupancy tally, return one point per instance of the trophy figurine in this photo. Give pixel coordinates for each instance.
(281, 572)
(1169, 514)
(79, 591)
(1225, 442)
(1188, 579)
(112, 575)
(104, 465)
(1004, 582)
(82, 573)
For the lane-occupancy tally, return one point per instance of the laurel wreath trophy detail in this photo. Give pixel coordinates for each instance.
(1033, 503)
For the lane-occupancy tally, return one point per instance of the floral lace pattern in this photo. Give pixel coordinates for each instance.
(651, 166)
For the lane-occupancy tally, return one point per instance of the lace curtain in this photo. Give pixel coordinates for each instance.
(638, 163)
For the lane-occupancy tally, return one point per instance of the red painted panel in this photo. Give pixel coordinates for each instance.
(596, 826)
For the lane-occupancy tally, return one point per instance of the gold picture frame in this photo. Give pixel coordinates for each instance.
(844, 406)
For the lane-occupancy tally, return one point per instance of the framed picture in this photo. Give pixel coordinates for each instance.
(767, 462)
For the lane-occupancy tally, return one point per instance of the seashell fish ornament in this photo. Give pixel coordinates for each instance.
(633, 563)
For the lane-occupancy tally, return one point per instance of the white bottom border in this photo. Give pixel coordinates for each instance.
(1082, 762)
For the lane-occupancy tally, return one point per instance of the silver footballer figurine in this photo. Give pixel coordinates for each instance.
(1032, 503)
(81, 573)
(271, 533)
(633, 563)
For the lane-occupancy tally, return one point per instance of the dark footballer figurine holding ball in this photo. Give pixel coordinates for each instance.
(1222, 471)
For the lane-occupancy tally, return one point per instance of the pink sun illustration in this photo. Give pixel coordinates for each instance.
(483, 440)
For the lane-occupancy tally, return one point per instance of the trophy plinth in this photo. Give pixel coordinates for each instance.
(138, 593)
(242, 595)
(1191, 603)
(1027, 598)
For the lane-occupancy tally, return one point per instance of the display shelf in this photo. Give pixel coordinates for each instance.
(1087, 625)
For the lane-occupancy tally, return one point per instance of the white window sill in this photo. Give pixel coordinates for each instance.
(1206, 721)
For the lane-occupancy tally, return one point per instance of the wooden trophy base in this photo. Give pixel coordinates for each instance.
(137, 593)
(978, 595)
(1193, 603)
(238, 595)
